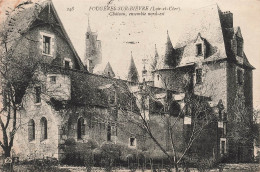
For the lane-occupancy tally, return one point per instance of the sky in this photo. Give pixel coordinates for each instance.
(122, 34)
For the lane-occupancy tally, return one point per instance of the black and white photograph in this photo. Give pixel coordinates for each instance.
(129, 85)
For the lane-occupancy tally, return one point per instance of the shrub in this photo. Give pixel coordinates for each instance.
(43, 165)
(110, 153)
(75, 153)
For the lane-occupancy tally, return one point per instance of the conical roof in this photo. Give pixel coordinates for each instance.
(169, 52)
(132, 71)
(109, 71)
(155, 59)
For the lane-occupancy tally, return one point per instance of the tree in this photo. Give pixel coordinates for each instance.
(17, 69)
(194, 108)
(244, 129)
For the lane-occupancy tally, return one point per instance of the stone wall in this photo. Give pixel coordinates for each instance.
(37, 148)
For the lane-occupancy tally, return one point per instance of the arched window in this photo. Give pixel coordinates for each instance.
(81, 128)
(31, 130)
(44, 134)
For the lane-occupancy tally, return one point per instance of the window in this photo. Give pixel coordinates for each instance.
(37, 94)
(114, 129)
(158, 77)
(87, 36)
(239, 47)
(112, 97)
(199, 49)
(81, 128)
(53, 79)
(31, 130)
(239, 76)
(44, 134)
(109, 132)
(198, 76)
(222, 146)
(46, 44)
(225, 129)
(132, 142)
(67, 64)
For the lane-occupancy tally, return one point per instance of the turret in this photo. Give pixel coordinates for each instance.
(155, 59)
(132, 71)
(169, 52)
(93, 55)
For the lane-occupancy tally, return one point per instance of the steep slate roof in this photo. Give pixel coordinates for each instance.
(207, 22)
(22, 18)
(88, 89)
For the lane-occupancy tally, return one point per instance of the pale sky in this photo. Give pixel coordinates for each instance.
(115, 31)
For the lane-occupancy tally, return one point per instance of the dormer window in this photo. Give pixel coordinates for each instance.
(239, 47)
(199, 49)
(67, 63)
(46, 44)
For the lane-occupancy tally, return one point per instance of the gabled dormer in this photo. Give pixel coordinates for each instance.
(200, 46)
(237, 46)
(239, 42)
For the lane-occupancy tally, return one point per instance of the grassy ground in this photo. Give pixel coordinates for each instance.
(227, 168)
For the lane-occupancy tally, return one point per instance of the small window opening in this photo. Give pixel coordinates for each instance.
(158, 77)
(67, 64)
(223, 147)
(46, 44)
(81, 128)
(109, 132)
(199, 49)
(37, 94)
(239, 76)
(239, 47)
(53, 79)
(132, 141)
(31, 130)
(112, 97)
(225, 129)
(44, 134)
(198, 76)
